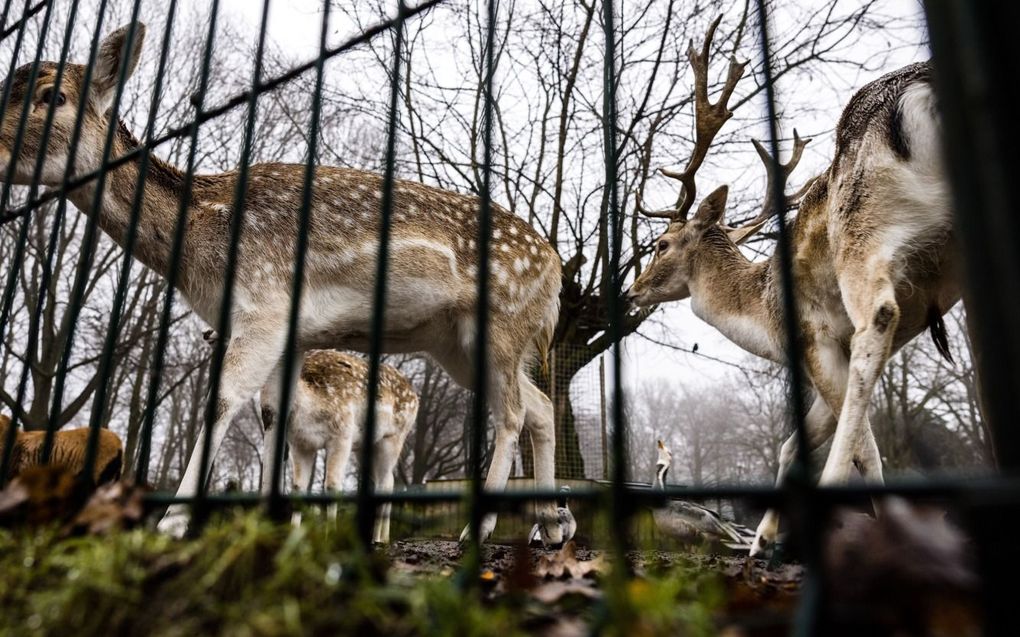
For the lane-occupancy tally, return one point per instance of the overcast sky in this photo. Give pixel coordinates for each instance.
(294, 27)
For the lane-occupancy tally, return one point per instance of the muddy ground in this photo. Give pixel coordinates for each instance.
(752, 597)
(755, 599)
(435, 556)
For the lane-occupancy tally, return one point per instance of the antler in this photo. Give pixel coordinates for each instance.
(708, 119)
(790, 201)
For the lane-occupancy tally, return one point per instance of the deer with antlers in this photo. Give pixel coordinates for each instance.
(873, 252)
(433, 264)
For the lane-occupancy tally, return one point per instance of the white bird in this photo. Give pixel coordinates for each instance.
(692, 523)
(565, 518)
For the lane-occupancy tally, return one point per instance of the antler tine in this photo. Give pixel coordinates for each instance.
(668, 213)
(708, 119)
(789, 200)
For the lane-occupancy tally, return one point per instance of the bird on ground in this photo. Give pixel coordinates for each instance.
(692, 523)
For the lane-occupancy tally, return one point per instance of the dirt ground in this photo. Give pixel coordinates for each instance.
(752, 597)
(434, 556)
(756, 599)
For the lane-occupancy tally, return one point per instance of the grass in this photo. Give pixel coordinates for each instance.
(248, 576)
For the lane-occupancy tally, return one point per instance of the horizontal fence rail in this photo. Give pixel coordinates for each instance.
(983, 200)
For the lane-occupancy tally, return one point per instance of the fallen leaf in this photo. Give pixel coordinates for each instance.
(564, 564)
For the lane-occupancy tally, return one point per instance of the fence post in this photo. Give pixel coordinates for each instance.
(973, 57)
(975, 67)
(602, 417)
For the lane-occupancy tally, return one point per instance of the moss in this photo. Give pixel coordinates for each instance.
(247, 576)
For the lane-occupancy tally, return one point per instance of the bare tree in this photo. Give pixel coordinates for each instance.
(548, 114)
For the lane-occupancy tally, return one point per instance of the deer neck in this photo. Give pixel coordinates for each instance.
(734, 295)
(158, 204)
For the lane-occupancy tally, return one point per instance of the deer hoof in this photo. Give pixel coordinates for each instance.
(173, 524)
(487, 527)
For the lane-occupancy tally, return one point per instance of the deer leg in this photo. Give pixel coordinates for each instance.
(508, 416)
(270, 401)
(875, 314)
(820, 423)
(251, 353)
(303, 461)
(338, 454)
(540, 421)
(387, 452)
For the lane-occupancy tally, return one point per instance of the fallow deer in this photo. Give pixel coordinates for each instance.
(69, 449)
(874, 258)
(327, 412)
(431, 295)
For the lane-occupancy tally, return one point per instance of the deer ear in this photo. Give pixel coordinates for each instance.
(712, 207)
(116, 53)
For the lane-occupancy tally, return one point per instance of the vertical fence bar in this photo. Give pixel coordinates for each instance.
(51, 247)
(172, 273)
(86, 259)
(77, 300)
(973, 56)
(152, 396)
(230, 276)
(602, 417)
(291, 357)
(365, 518)
(19, 251)
(99, 398)
(798, 479)
(88, 241)
(975, 63)
(480, 408)
(620, 506)
(19, 136)
(120, 295)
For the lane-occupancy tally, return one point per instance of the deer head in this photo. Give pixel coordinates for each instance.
(676, 252)
(64, 101)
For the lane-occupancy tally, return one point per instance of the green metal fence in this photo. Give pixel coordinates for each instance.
(976, 99)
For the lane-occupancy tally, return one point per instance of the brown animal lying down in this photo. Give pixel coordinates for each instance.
(69, 448)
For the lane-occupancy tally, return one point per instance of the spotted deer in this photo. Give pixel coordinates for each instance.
(432, 280)
(873, 251)
(327, 411)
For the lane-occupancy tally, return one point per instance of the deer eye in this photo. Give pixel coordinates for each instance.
(663, 245)
(47, 97)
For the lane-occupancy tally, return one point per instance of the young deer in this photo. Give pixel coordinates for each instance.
(327, 412)
(431, 296)
(874, 259)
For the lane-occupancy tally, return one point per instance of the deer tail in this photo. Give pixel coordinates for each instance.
(937, 328)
